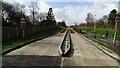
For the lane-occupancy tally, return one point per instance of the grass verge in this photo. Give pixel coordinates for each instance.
(7, 44)
(100, 31)
(113, 48)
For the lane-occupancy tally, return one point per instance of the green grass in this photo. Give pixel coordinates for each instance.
(101, 31)
(7, 44)
(113, 48)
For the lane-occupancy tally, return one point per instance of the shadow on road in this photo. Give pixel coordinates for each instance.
(31, 61)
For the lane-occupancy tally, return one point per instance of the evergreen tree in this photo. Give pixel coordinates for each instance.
(111, 18)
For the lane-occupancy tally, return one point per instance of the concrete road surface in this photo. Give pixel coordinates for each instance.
(48, 46)
(40, 53)
(86, 54)
(45, 53)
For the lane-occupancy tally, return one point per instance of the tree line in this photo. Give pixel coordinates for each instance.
(12, 13)
(106, 22)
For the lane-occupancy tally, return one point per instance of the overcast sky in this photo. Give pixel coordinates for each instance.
(72, 11)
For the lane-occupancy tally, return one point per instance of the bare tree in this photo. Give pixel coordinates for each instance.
(89, 18)
(105, 19)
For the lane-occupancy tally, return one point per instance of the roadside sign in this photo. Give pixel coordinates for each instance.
(22, 25)
(22, 20)
(117, 18)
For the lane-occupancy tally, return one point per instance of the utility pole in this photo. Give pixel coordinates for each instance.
(95, 28)
(33, 14)
(119, 7)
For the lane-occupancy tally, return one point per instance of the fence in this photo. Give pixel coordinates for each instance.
(13, 32)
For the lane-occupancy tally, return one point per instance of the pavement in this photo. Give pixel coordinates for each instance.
(86, 54)
(104, 49)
